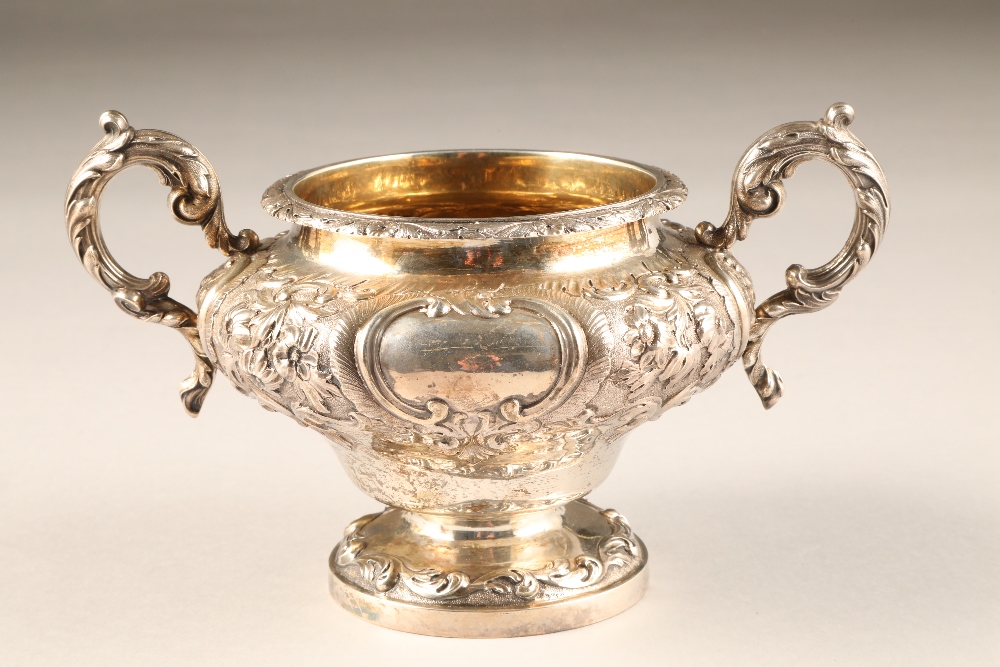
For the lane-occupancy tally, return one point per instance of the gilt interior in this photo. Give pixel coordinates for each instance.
(473, 184)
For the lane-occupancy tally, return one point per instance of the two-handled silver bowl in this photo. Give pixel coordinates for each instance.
(475, 331)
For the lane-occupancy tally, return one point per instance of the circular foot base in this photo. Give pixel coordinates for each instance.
(503, 576)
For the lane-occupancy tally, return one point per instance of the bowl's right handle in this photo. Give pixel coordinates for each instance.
(758, 192)
(194, 200)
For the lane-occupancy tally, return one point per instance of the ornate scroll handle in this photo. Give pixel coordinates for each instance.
(758, 193)
(194, 200)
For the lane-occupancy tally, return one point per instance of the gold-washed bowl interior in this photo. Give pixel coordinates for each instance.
(474, 184)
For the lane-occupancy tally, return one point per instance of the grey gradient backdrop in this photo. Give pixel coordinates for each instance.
(856, 523)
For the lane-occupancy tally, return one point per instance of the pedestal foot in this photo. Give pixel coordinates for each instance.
(503, 576)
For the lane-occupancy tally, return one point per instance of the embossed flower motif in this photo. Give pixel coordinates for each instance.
(267, 298)
(293, 355)
(649, 338)
(657, 284)
(238, 323)
(259, 365)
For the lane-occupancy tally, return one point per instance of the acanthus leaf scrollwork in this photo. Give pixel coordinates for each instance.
(194, 200)
(758, 192)
(382, 572)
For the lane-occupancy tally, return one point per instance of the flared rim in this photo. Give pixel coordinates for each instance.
(581, 192)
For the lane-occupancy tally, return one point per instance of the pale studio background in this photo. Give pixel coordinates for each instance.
(857, 523)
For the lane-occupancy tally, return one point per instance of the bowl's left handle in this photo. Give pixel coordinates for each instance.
(194, 200)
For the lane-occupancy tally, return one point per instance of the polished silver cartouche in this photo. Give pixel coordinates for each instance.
(475, 331)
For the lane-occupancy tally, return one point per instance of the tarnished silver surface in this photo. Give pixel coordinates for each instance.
(475, 331)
